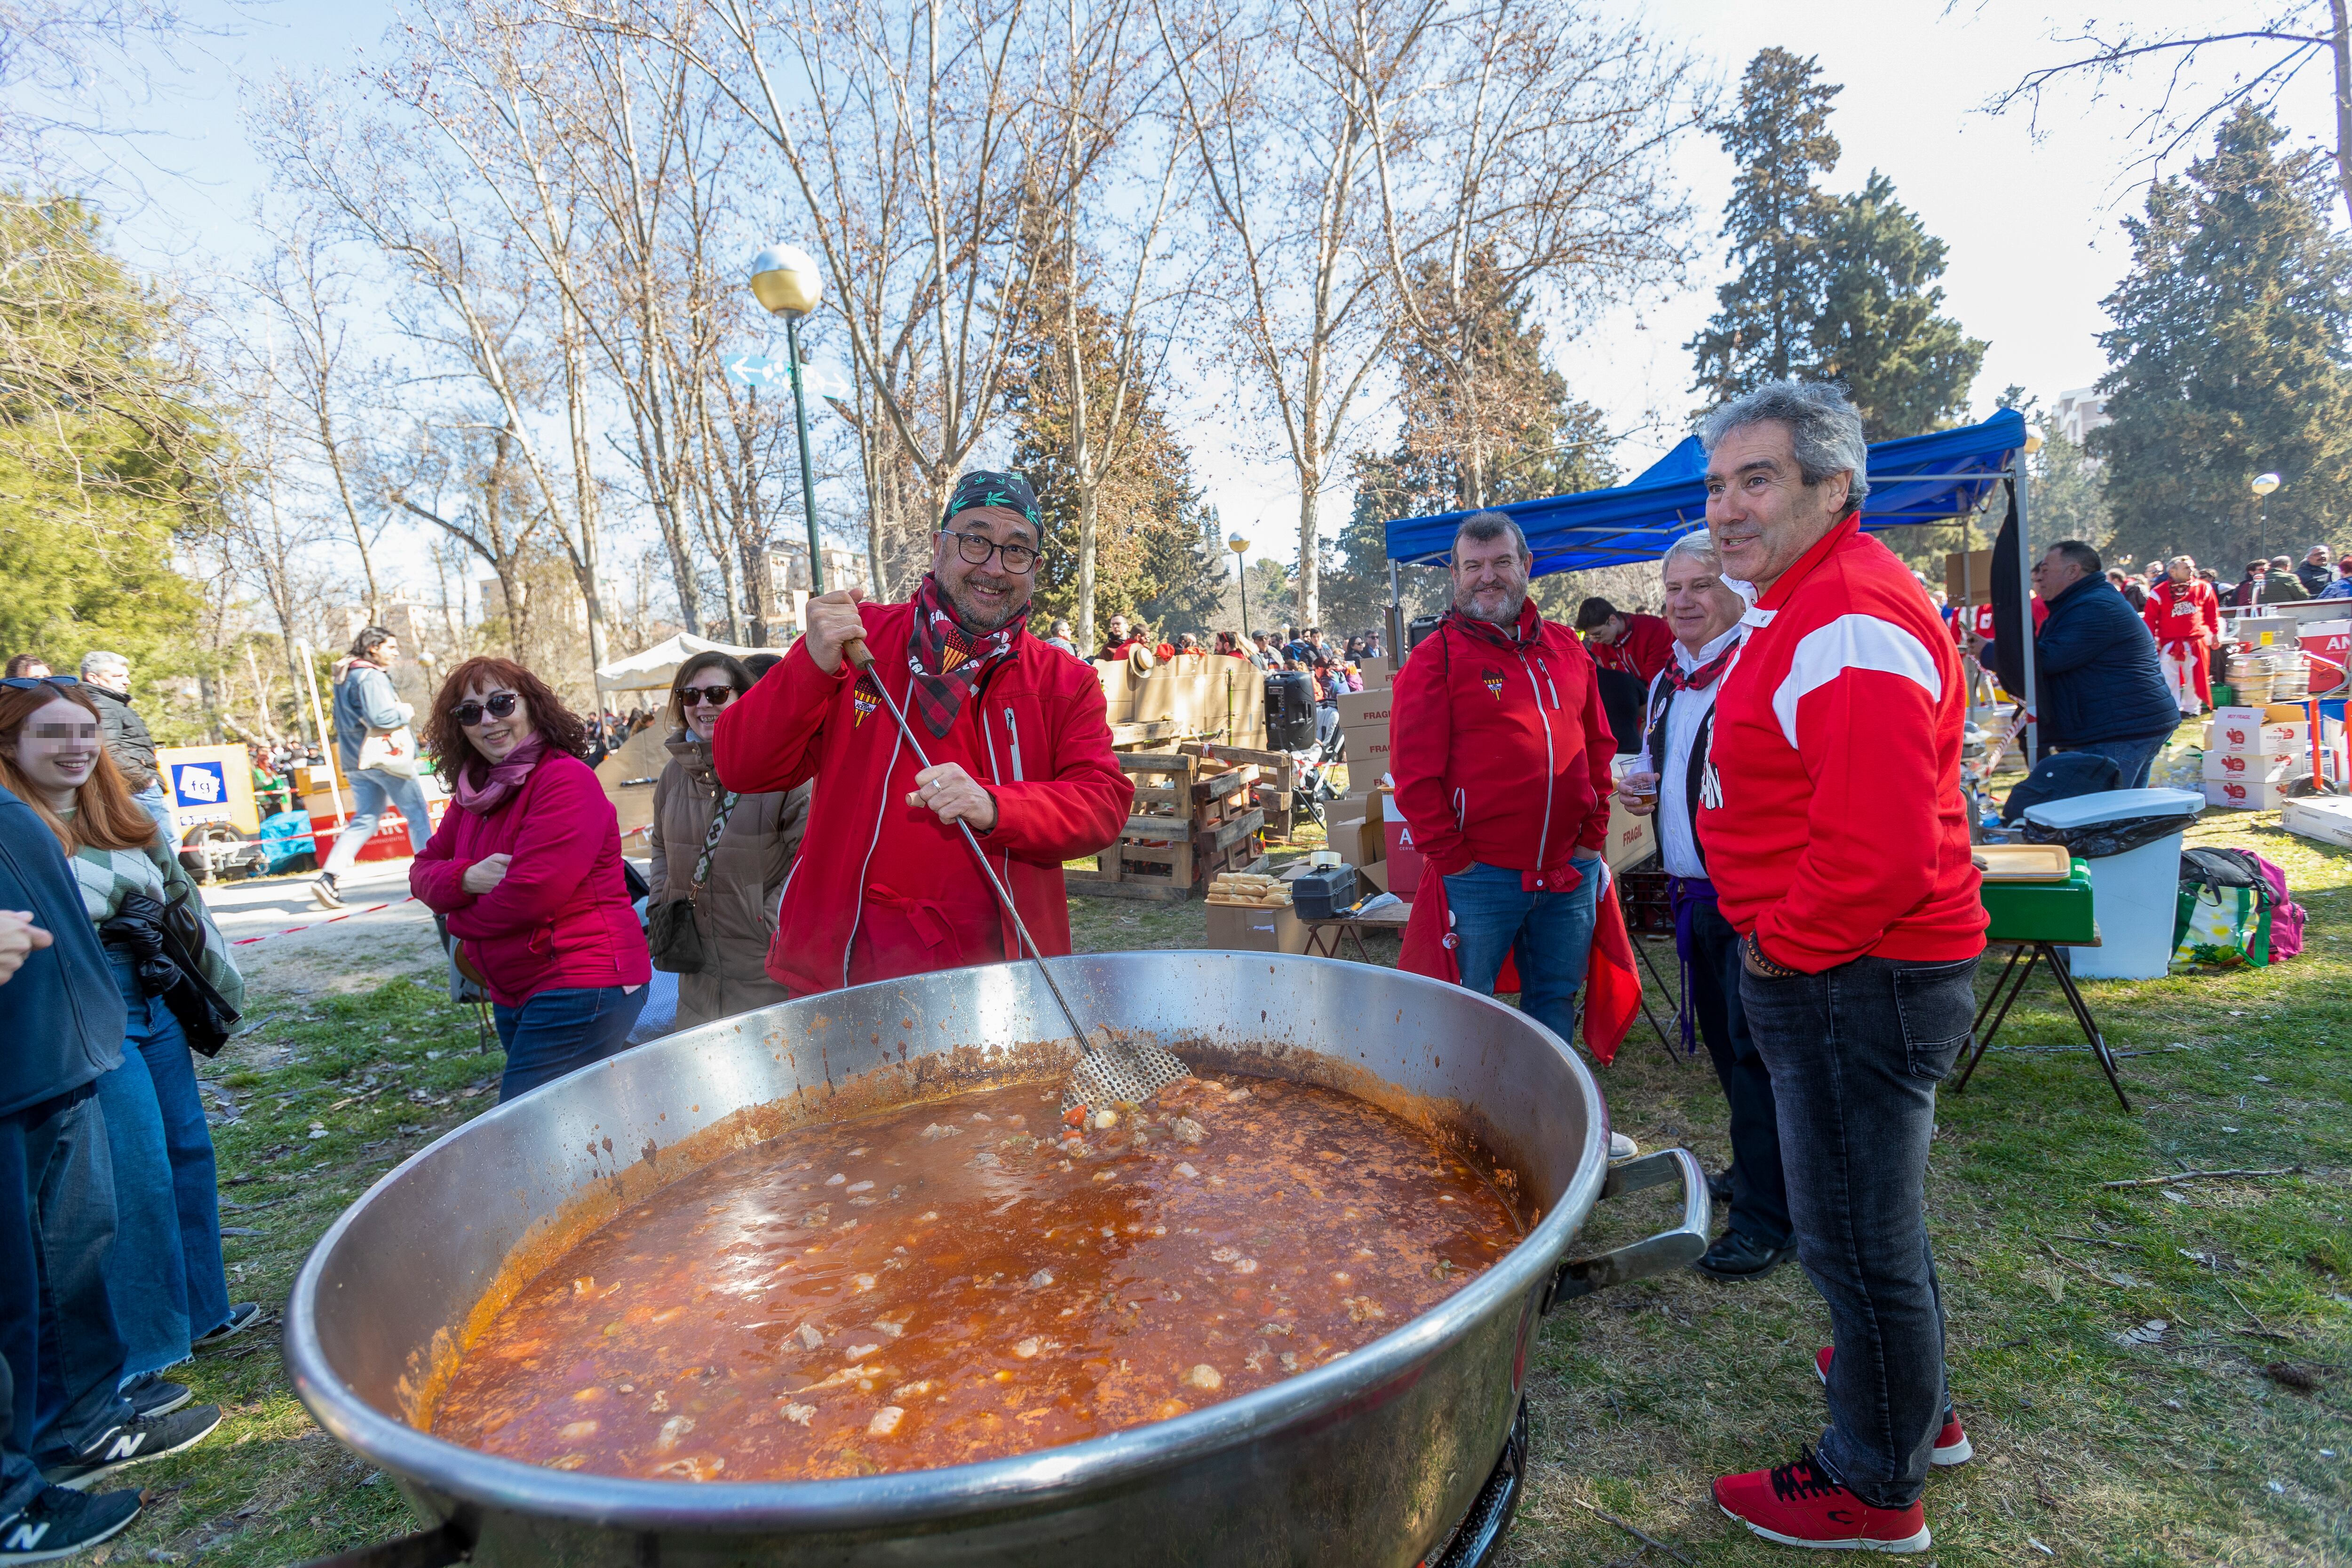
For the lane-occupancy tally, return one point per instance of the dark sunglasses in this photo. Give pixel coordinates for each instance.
(28, 682)
(501, 705)
(717, 696)
(976, 548)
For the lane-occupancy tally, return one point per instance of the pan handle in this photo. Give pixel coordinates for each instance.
(1659, 1254)
(435, 1548)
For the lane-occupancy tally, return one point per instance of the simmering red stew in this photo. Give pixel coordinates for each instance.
(970, 1278)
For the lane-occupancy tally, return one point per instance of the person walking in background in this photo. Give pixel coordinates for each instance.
(526, 866)
(2102, 688)
(1839, 850)
(2280, 585)
(107, 677)
(2186, 620)
(1060, 638)
(1670, 780)
(378, 756)
(2314, 572)
(57, 1203)
(1639, 644)
(1501, 756)
(168, 1288)
(724, 855)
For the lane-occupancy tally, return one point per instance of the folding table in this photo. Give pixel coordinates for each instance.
(2033, 920)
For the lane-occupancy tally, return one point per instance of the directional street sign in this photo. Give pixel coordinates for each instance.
(776, 374)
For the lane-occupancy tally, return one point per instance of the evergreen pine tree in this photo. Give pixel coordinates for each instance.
(1908, 368)
(2229, 357)
(1762, 328)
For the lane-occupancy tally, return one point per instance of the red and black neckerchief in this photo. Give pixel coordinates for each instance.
(1700, 678)
(945, 661)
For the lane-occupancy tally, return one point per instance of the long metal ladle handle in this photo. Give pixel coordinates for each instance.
(862, 660)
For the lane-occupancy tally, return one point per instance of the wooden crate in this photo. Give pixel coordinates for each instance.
(1272, 788)
(1153, 856)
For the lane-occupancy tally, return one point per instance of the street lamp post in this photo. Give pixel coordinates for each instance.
(2263, 485)
(785, 282)
(1240, 547)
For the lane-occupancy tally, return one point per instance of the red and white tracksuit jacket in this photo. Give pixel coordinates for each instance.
(2187, 620)
(1831, 813)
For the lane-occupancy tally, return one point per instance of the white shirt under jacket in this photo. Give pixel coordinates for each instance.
(1677, 847)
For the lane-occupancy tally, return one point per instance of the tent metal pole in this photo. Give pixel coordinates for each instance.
(2025, 610)
(1395, 629)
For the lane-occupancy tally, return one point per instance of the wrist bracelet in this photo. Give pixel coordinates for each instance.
(1772, 968)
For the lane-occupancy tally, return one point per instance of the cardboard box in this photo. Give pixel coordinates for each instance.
(1367, 751)
(1359, 709)
(1375, 876)
(1632, 839)
(2255, 767)
(2245, 794)
(1404, 860)
(1968, 579)
(1234, 929)
(1379, 673)
(2276, 730)
(2326, 818)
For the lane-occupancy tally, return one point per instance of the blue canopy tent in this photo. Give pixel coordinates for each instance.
(1919, 478)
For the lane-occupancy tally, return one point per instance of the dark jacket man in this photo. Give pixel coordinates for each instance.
(126, 737)
(65, 1017)
(2097, 669)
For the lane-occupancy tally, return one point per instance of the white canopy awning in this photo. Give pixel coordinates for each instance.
(657, 667)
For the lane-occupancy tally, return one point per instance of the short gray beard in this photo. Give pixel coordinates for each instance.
(1465, 605)
(977, 624)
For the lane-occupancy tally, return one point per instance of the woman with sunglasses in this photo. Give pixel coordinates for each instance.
(526, 868)
(723, 855)
(164, 1272)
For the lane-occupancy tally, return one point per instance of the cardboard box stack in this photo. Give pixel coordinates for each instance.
(2253, 754)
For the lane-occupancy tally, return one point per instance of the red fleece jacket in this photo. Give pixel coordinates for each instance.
(1838, 829)
(882, 888)
(1501, 755)
(561, 917)
(1645, 648)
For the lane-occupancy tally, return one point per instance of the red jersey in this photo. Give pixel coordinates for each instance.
(1645, 648)
(1837, 829)
(2183, 613)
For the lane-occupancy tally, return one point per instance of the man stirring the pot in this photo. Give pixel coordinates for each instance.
(1019, 740)
(1839, 850)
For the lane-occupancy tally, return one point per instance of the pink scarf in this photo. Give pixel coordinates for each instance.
(501, 779)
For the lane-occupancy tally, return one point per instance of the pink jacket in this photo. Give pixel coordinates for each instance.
(562, 920)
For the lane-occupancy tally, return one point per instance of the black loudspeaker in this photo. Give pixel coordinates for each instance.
(1421, 627)
(1289, 710)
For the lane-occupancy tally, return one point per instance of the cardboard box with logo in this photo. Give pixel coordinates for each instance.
(2275, 731)
(2245, 794)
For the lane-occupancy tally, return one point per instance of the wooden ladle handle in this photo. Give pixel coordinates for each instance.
(856, 652)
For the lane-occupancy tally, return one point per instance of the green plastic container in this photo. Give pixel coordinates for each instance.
(2042, 912)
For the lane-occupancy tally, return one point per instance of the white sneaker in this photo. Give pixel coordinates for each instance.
(1622, 1147)
(323, 892)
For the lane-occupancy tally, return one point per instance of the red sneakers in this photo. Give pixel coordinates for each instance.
(1797, 1505)
(1952, 1444)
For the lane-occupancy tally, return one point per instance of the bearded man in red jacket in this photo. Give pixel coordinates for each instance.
(1838, 842)
(1018, 738)
(1500, 753)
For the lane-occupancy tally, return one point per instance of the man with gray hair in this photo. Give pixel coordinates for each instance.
(1672, 777)
(1839, 850)
(1501, 754)
(107, 677)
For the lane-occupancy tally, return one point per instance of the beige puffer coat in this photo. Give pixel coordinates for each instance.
(735, 912)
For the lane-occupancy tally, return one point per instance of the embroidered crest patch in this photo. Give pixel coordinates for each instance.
(864, 698)
(1494, 679)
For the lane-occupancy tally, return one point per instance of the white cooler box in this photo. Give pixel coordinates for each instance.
(2133, 894)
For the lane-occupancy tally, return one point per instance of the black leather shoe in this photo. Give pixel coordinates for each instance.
(1718, 1188)
(1738, 1256)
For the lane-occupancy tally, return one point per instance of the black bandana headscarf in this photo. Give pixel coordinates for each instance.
(986, 487)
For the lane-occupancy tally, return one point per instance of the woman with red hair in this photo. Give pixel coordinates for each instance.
(527, 869)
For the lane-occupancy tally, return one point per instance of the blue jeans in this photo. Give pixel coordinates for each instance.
(559, 1032)
(370, 791)
(1547, 935)
(57, 1345)
(188, 1144)
(2132, 758)
(153, 801)
(149, 1269)
(1855, 1053)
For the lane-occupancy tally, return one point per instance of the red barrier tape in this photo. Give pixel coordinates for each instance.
(331, 920)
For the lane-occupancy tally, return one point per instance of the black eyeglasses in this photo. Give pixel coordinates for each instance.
(717, 696)
(28, 682)
(499, 705)
(976, 548)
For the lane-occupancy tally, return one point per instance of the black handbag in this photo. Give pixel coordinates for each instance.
(170, 963)
(670, 932)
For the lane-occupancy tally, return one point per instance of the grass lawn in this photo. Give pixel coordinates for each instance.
(2224, 1440)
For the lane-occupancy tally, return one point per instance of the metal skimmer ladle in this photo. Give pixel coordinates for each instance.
(1114, 1070)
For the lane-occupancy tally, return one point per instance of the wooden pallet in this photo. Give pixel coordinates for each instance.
(1272, 789)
